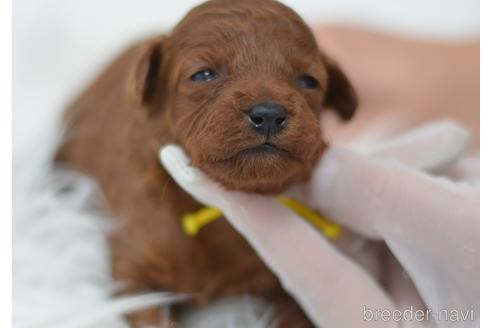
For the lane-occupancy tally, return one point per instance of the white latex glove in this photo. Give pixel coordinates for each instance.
(428, 223)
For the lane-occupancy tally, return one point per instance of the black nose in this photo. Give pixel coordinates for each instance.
(267, 118)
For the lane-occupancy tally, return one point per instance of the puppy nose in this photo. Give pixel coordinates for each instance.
(267, 118)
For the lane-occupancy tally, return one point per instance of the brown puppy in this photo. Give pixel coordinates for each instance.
(239, 85)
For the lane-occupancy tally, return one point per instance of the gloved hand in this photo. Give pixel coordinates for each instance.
(429, 223)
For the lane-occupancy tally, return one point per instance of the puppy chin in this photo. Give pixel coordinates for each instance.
(257, 183)
(263, 171)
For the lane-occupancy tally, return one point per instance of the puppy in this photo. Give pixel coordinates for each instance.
(240, 86)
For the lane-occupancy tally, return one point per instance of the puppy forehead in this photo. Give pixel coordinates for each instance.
(246, 29)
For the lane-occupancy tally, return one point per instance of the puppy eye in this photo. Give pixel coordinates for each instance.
(307, 82)
(204, 75)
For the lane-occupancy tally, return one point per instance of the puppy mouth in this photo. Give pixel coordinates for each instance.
(265, 148)
(264, 167)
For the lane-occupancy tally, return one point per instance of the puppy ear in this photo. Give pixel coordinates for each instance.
(144, 74)
(340, 95)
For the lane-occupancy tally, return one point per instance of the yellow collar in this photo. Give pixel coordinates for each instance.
(192, 223)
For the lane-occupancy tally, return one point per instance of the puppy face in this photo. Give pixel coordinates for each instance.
(240, 85)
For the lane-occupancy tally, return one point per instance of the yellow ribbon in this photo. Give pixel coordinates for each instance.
(192, 223)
